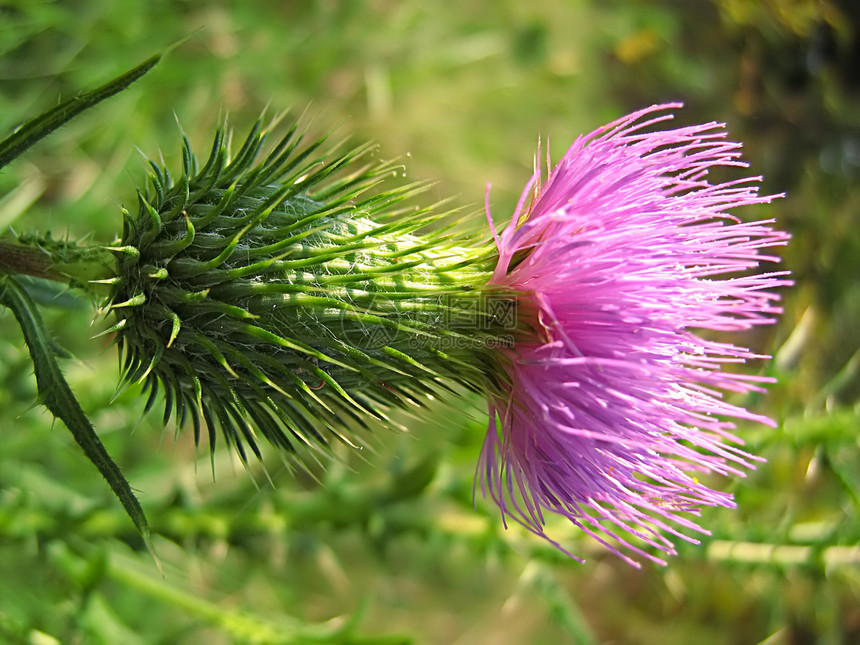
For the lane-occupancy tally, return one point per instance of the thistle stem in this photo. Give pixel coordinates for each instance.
(241, 624)
(17, 259)
(60, 261)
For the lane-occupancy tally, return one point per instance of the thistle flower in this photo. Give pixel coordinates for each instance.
(295, 295)
(613, 404)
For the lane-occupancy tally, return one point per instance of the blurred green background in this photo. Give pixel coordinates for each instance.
(386, 547)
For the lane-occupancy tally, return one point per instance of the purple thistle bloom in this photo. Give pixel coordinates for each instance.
(613, 404)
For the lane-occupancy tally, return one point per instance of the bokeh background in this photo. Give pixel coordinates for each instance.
(385, 546)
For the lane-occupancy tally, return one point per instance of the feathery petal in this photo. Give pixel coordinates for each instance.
(614, 403)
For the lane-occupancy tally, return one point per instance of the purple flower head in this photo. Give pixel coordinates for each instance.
(613, 404)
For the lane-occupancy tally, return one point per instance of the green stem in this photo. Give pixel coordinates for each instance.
(78, 266)
(17, 259)
(242, 624)
(784, 555)
(238, 623)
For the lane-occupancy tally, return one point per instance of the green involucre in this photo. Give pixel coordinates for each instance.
(297, 294)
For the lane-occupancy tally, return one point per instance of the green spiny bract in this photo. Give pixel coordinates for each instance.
(294, 295)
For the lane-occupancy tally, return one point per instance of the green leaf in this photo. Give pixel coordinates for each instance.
(57, 396)
(42, 125)
(51, 294)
